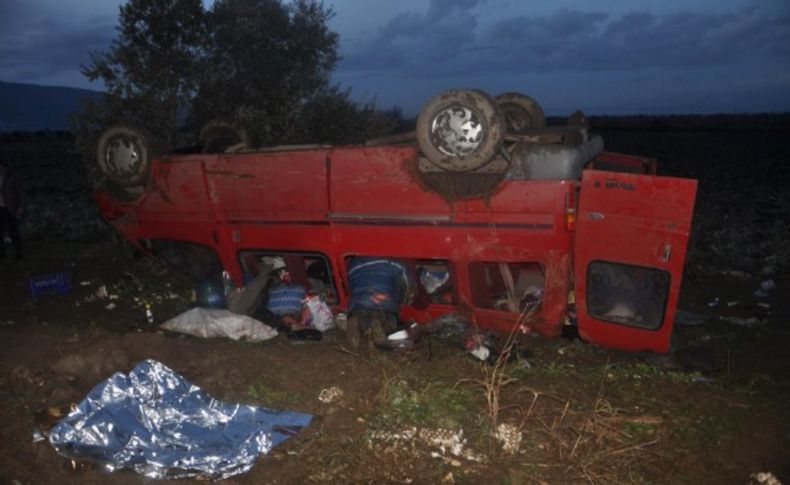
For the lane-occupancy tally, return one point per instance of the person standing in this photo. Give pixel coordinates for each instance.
(10, 210)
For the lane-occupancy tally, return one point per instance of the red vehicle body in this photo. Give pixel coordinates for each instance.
(612, 243)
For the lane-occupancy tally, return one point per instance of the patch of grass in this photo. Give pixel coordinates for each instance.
(547, 370)
(640, 431)
(270, 397)
(436, 405)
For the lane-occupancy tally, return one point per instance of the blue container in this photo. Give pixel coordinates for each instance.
(50, 284)
(209, 294)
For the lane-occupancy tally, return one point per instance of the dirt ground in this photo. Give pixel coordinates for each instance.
(716, 410)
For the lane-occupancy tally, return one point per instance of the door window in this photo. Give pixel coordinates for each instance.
(311, 270)
(630, 295)
(511, 286)
(435, 280)
(195, 261)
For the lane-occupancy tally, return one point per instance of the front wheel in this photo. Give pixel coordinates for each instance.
(460, 130)
(522, 113)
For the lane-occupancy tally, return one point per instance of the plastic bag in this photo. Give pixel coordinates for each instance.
(321, 315)
(210, 322)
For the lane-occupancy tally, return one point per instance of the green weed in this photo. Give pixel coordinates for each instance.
(268, 396)
(433, 405)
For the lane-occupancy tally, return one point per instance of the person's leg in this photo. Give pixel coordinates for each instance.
(3, 225)
(382, 323)
(13, 232)
(356, 328)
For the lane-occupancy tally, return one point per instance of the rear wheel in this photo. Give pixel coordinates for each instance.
(219, 136)
(521, 112)
(123, 155)
(460, 130)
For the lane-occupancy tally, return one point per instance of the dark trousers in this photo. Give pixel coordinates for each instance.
(10, 224)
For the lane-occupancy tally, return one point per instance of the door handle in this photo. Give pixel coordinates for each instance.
(666, 253)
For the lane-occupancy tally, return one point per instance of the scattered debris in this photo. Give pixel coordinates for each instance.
(742, 321)
(448, 326)
(445, 443)
(689, 319)
(714, 302)
(698, 378)
(765, 478)
(733, 273)
(481, 352)
(510, 437)
(330, 395)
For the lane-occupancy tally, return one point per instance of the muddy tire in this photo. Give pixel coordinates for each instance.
(460, 130)
(521, 112)
(123, 155)
(219, 136)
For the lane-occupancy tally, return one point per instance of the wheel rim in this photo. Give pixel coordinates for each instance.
(123, 157)
(457, 131)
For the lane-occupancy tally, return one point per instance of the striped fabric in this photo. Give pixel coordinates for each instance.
(286, 298)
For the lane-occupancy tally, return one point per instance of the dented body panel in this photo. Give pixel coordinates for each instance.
(345, 201)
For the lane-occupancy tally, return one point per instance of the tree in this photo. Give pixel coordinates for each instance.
(151, 70)
(330, 115)
(265, 59)
(261, 64)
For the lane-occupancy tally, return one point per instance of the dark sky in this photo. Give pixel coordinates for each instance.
(603, 56)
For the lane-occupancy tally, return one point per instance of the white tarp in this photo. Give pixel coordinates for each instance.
(213, 322)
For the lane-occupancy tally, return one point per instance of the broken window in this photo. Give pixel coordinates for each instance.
(511, 286)
(627, 294)
(312, 270)
(195, 261)
(436, 280)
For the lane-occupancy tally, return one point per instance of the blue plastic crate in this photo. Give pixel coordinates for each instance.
(50, 284)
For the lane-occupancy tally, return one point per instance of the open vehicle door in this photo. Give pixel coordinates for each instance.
(631, 241)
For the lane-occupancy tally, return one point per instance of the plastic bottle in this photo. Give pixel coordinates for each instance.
(227, 283)
(149, 315)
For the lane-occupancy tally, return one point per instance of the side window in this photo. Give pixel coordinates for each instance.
(435, 279)
(312, 270)
(195, 261)
(507, 286)
(627, 294)
(427, 281)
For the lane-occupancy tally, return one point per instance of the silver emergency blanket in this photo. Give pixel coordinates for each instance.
(158, 424)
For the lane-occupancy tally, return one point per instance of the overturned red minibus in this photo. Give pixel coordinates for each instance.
(488, 195)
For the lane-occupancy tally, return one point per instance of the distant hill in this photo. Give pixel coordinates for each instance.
(27, 107)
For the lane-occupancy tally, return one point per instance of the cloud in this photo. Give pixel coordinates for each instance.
(37, 47)
(448, 39)
(445, 30)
